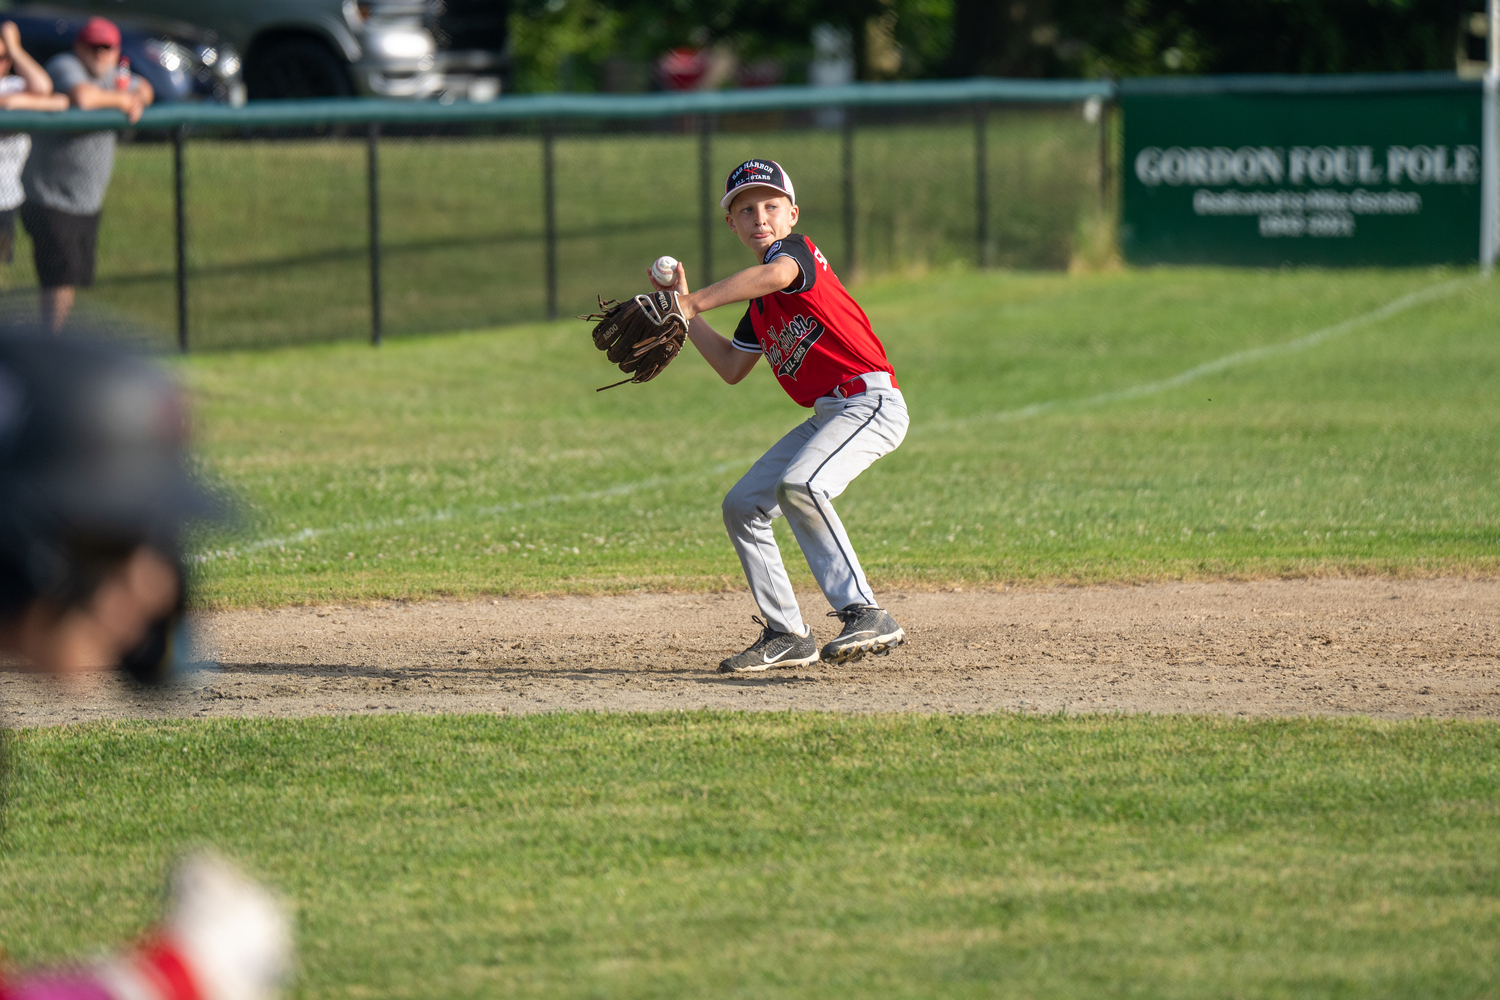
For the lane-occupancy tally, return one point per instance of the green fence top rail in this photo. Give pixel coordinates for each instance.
(596, 107)
(532, 107)
(1344, 83)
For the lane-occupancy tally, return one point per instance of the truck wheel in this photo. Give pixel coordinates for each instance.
(296, 67)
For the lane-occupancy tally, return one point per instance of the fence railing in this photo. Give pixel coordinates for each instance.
(467, 215)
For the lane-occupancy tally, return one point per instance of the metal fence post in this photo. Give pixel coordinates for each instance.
(1104, 111)
(706, 200)
(549, 212)
(850, 257)
(1489, 188)
(982, 182)
(372, 149)
(180, 218)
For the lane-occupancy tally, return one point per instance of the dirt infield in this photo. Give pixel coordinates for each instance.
(1389, 648)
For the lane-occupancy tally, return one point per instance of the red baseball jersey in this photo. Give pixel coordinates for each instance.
(813, 333)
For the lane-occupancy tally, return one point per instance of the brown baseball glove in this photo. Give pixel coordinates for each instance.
(642, 335)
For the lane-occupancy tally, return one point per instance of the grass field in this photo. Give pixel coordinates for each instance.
(278, 229)
(700, 855)
(485, 463)
(1115, 427)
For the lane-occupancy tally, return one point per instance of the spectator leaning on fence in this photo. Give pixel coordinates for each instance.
(24, 86)
(68, 172)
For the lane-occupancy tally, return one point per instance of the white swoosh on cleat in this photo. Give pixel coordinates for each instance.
(766, 659)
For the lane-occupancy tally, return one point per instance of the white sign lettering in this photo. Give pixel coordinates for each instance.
(1319, 212)
(1321, 165)
(1356, 202)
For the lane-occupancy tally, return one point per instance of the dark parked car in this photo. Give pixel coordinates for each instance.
(182, 63)
(425, 49)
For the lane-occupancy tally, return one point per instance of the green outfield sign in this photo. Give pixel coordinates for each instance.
(1339, 171)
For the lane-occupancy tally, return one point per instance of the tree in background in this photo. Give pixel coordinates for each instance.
(1150, 37)
(1021, 38)
(563, 44)
(559, 44)
(566, 44)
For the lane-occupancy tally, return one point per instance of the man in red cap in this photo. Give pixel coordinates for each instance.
(68, 172)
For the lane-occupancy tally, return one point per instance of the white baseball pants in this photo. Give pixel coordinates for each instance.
(799, 477)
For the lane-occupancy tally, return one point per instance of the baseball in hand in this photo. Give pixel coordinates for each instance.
(664, 270)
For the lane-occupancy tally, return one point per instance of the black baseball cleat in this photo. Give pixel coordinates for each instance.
(867, 629)
(772, 649)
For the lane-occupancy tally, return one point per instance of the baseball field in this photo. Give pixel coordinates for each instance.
(1127, 433)
(1114, 428)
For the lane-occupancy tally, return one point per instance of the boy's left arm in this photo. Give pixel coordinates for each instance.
(729, 361)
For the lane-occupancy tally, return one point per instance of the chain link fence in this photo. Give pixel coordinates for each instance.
(230, 228)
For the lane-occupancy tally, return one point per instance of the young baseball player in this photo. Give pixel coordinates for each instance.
(819, 343)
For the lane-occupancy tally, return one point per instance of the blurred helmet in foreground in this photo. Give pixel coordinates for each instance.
(93, 467)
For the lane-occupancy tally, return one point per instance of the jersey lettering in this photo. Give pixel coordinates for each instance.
(787, 348)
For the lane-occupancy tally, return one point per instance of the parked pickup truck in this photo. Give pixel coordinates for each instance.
(443, 49)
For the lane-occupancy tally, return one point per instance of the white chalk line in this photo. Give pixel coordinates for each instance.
(452, 513)
(1327, 333)
(1246, 356)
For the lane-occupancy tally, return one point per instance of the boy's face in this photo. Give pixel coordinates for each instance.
(760, 216)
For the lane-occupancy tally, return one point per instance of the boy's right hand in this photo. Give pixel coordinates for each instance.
(680, 286)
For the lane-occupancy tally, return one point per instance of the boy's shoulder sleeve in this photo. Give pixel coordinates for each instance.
(795, 246)
(744, 334)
